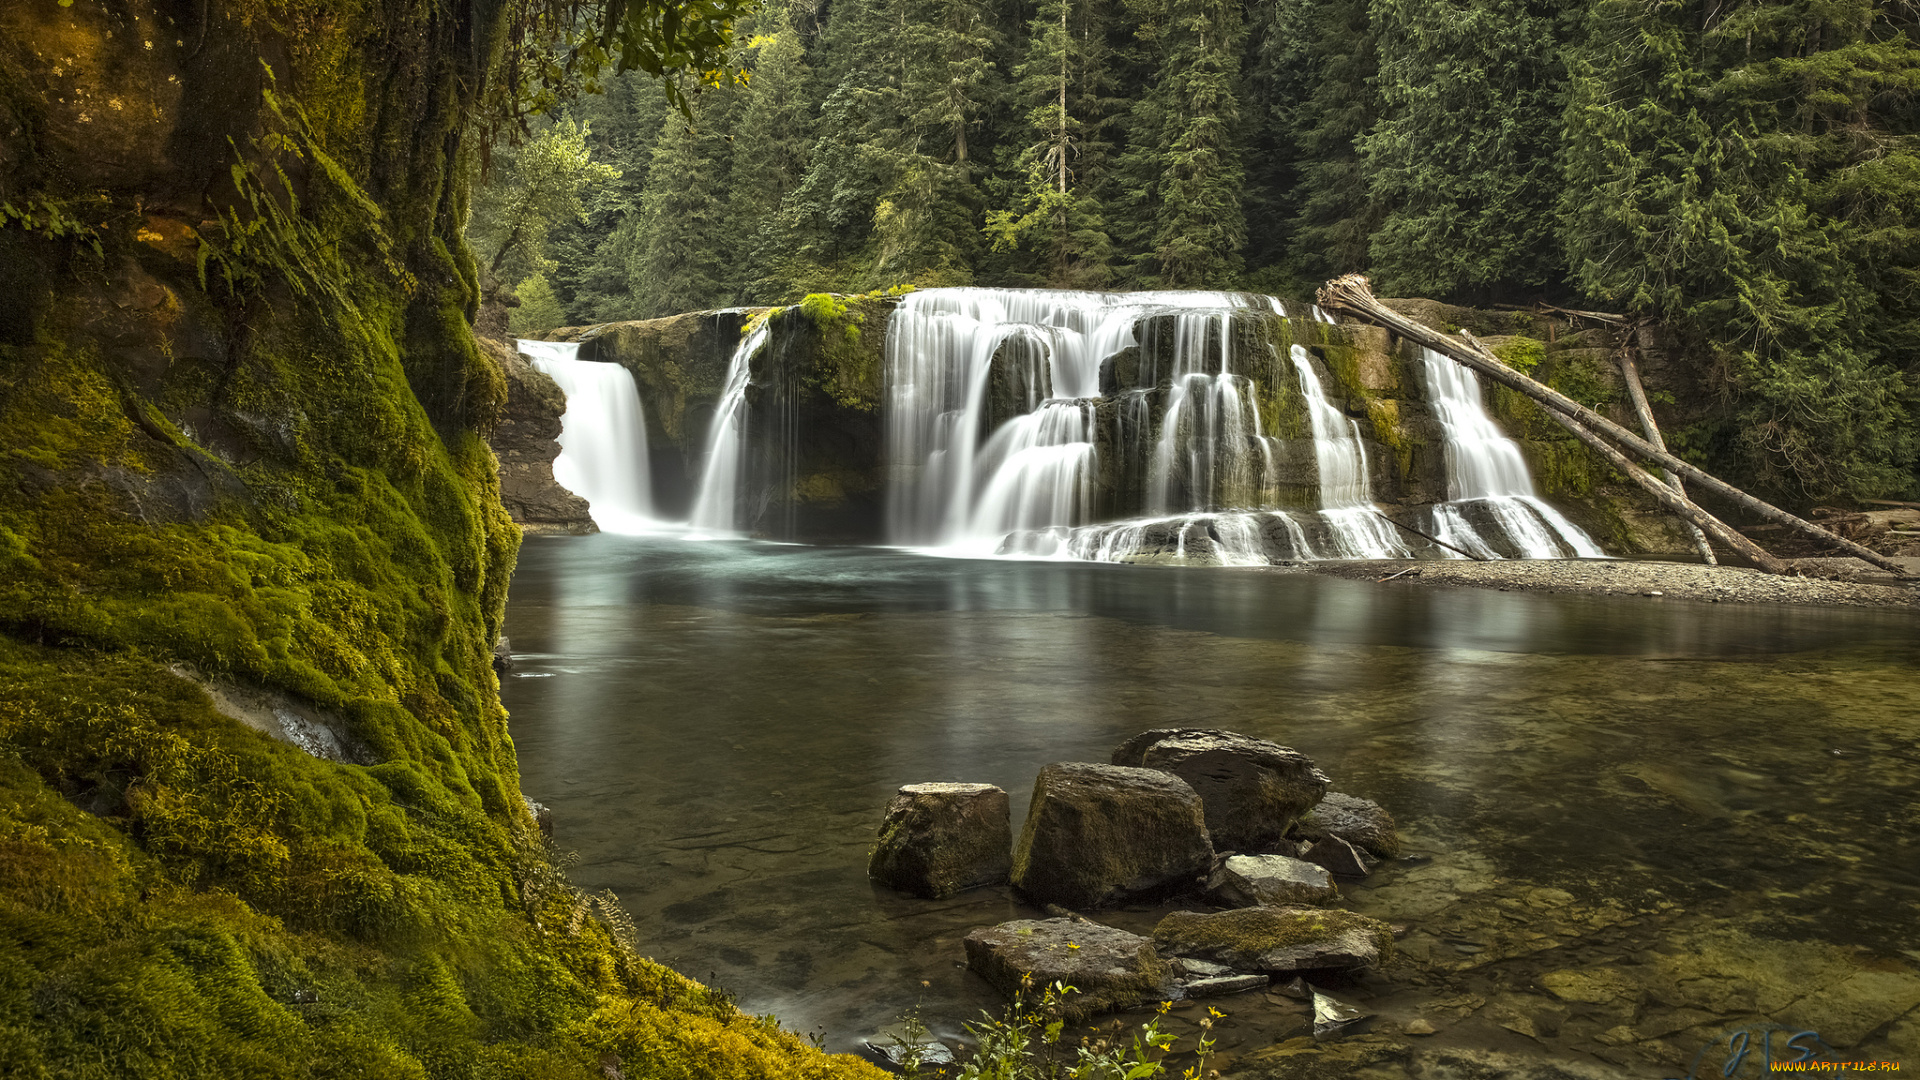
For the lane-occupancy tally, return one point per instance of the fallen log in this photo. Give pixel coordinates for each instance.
(1636, 393)
(1675, 502)
(1353, 295)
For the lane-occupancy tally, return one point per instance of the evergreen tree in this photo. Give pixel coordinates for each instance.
(770, 156)
(1056, 213)
(1334, 215)
(1182, 168)
(1462, 157)
(1751, 174)
(592, 253)
(686, 250)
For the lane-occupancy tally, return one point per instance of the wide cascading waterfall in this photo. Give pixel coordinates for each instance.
(716, 508)
(603, 436)
(1492, 508)
(1134, 427)
(980, 461)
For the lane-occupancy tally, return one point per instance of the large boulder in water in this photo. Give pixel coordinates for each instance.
(1108, 968)
(1103, 834)
(1276, 939)
(938, 839)
(1254, 790)
(1360, 822)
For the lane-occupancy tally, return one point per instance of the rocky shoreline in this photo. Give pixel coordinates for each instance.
(1827, 582)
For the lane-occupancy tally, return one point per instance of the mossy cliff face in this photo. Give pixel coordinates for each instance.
(240, 440)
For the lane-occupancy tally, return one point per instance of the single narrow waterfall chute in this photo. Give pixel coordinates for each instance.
(716, 508)
(1490, 493)
(603, 436)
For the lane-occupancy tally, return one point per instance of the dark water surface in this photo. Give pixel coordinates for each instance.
(1634, 822)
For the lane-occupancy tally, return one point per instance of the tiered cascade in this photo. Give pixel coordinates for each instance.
(1120, 427)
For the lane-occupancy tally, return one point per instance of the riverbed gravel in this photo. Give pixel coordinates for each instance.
(1844, 582)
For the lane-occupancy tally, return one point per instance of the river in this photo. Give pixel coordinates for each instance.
(1631, 823)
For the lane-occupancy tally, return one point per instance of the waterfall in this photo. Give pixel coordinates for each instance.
(973, 460)
(603, 436)
(716, 507)
(1487, 479)
(1346, 488)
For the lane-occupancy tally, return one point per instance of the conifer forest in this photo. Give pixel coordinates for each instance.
(1747, 173)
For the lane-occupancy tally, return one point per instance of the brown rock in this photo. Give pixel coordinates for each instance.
(1108, 968)
(1104, 834)
(1276, 939)
(939, 839)
(1254, 790)
(1358, 821)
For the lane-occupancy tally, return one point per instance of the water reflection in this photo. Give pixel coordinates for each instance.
(718, 726)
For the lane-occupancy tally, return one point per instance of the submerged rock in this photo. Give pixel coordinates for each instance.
(938, 839)
(1337, 856)
(1107, 968)
(1333, 1018)
(1098, 835)
(1253, 880)
(1360, 822)
(1254, 790)
(1222, 985)
(1276, 939)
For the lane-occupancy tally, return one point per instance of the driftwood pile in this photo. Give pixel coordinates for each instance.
(1620, 447)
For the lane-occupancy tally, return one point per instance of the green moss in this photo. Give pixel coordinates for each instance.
(1250, 931)
(1521, 353)
(847, 362)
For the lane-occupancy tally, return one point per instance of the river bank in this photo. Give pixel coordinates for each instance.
(1827, 582)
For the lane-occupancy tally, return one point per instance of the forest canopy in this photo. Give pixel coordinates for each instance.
(1747, 173)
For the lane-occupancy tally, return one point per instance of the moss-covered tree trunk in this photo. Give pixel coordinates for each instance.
(240, 447)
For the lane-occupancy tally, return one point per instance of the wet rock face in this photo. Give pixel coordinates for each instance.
(1275, 880)
(1098, 835)
(1276, 939)
(1108, 968)
(524, 441)
(1337, 856)
(1254, 790)
(1360, 822)
(939, 839)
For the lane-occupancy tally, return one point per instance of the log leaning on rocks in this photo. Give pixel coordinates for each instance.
(1679, 505)
(1353, 295)
(1636, 393)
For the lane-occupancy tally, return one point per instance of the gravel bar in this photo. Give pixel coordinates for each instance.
(1846, 582)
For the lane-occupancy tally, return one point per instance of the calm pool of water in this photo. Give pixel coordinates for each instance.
(1636, 822)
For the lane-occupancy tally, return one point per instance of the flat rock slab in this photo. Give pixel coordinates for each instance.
(1222, 985)
(1254, 790)
(1276, 939)
(938, 839)
(1099, 835)
(1360, 822)
(1108, 968)
(1272, 880)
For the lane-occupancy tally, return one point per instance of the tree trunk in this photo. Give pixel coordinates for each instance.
(1630, 371)
(1352, 294)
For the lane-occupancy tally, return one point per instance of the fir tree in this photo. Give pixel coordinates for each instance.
(685, 256)
(1462, 157)
(1183, 161)
(1056, 214)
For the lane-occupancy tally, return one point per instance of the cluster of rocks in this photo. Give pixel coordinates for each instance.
(1241, 826)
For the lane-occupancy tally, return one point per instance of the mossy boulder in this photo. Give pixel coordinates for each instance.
(940, 839)
(1254, 790)
(1360, 822)
(1107, 968)
(1276, 939)
(1098, 835)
